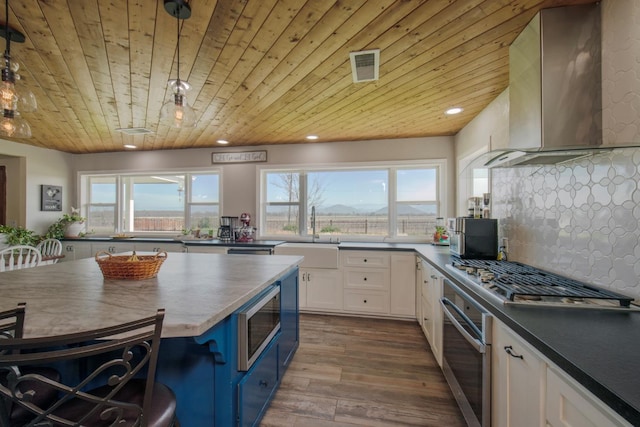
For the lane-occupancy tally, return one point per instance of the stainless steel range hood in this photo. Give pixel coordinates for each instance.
(555, 89)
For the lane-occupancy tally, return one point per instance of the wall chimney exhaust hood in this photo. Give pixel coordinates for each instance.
(555, 89)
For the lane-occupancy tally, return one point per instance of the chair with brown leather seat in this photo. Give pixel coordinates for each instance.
(11, 327)
(115, 369)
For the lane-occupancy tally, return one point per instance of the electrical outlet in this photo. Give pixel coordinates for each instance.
(505, 244)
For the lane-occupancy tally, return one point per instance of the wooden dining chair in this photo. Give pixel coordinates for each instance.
(11, 327)
(19, 256)
(113, 381)
(50, 248)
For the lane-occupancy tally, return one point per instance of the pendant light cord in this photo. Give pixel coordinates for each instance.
(7, 35)
(178, 49)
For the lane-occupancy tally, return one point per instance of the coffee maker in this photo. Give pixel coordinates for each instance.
(227, 230)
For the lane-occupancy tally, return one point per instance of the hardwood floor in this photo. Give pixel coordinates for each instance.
(362, 372)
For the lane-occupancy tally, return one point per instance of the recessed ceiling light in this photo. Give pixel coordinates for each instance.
(222, 141)
(312, 137)
(454, 110)
(131, 146)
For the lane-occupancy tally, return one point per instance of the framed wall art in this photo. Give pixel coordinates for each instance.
(51, 198)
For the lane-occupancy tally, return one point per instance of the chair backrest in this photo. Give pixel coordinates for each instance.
(50, 247)
(20, 256)
(12, 323)
(109, 358)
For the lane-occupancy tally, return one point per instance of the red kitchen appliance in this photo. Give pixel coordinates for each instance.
(246, 231)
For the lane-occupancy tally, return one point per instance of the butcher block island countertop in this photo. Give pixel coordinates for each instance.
(196, 290)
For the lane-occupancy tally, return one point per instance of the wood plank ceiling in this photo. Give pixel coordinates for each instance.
(262, 71)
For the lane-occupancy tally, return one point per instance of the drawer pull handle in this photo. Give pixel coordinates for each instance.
(510, 352)
(264, 383)
(365, 301)
(365, 279)
(365, 260)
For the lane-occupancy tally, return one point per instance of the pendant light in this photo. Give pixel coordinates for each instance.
(11, 123)
(176, 112)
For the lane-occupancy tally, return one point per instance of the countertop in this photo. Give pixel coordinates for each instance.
(196, 290)
(185, 241)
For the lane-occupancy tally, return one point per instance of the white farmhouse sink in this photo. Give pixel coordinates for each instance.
(316, 255)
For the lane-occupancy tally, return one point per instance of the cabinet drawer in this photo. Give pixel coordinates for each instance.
(366, 302)
(365, 259)
(256, 388)
(367, 278)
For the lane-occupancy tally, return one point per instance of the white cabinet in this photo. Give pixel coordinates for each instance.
(367, 280)
(320, 289)
(110, 247)
(530, 390)
(569, 404)
(518, 379)
(158, 247)
(431, 312)
(75, 250)
(207, 249)
(403, 279)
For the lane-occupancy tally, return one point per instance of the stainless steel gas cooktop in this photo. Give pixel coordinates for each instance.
(515, 283)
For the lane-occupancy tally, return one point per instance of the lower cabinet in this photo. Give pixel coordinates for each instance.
(320, 289)
(569, 404)
(255, 388)
(518, 381)
(76, 250)
(431, 319)
(530, 390)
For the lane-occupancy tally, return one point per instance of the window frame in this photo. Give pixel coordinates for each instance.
(120, 204)
(439, 164)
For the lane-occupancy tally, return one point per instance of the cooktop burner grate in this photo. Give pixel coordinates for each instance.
(517, 280)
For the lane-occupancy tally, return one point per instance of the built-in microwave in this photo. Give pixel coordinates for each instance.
(258, 323)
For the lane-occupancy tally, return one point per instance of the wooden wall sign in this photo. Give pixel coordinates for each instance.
(50, 198)
(239, 157)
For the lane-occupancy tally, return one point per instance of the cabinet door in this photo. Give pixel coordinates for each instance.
(207, 249)
(569, 404)
(110, 247)
(324, 289)
(519, 383)
(76, 250)
(157, 247)
(403, 282)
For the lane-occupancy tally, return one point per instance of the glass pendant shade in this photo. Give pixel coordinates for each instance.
(176, 112)
(13, 125)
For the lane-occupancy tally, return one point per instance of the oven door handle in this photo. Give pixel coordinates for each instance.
(475, 342)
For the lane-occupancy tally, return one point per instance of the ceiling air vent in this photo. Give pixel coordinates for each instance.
(134, 131)
(365, 65)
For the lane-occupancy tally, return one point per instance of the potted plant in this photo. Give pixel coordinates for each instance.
(69, 225)
(12, 236)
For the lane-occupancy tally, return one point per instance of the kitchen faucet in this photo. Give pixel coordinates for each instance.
(313, 225)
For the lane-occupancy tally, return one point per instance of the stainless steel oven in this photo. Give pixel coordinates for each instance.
(466, 348)
(258, 323)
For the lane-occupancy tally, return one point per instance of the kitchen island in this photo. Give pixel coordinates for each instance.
(200, 294)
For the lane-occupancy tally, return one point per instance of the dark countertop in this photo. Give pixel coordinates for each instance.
(186, 242)
(599, 348)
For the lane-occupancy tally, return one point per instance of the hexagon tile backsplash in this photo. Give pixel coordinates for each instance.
(579, 220)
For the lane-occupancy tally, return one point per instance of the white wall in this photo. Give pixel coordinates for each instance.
(240, 180)
(28, 168)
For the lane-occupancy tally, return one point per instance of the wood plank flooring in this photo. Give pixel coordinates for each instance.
(362, 372)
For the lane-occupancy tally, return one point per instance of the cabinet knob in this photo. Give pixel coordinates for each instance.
(365, 301)
(365, 279)
(510, 352)
(264, 383)
(365, 260)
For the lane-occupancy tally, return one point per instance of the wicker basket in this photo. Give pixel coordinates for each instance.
(120, 266)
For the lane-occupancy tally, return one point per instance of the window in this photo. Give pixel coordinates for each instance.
(368, 202)
(152, 203)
